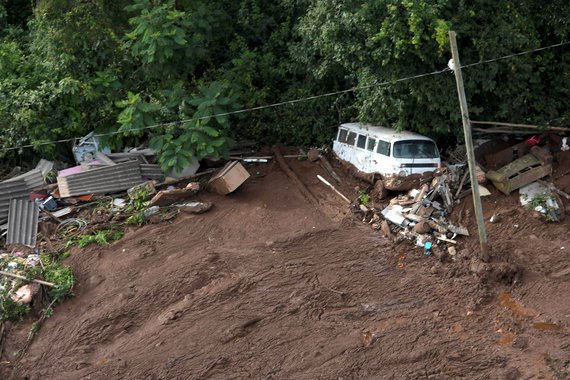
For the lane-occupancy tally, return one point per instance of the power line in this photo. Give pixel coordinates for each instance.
(294, 101)
(515, 55)
(252, 109)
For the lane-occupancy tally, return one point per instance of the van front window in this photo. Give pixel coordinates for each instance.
(415, 149)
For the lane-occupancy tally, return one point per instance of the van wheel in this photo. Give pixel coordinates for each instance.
(379, 191)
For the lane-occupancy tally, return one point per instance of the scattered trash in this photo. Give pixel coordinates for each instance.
(540, 198)
(119, 203)
(483, 191)
(154, 210)
(195, 207)
(86, 148)
(261, 160)
(32, 260)
(23, 294)
(49, 204)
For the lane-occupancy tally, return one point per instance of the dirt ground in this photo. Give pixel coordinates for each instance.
(266, 285)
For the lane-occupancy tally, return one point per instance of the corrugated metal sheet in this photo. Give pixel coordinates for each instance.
(152, 171)
(9, 190)
(45, 167)
(35, 178)
(22, 222)
(103, 180)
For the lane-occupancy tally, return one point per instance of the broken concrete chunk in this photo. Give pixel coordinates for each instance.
(393, 213)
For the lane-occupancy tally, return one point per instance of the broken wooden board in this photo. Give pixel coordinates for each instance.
(168, 197)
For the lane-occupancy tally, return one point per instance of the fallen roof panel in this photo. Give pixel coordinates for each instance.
(22, 222)
(33, 179)
(45, 166)
(9, 190)
(152, 171)
(108, 179)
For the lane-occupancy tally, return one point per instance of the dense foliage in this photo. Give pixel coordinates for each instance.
(70, 67)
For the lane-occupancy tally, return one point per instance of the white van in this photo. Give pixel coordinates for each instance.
(398, 158)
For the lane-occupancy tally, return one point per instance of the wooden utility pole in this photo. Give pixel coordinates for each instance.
(469, 146)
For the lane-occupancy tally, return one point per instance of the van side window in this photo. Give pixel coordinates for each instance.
(371, 143)
(342, 133)
(351, 138)
(361, 143)
(383, 148)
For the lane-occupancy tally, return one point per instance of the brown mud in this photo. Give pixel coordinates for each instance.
(266, 285)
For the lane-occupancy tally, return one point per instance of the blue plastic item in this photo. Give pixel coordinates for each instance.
(427, 247)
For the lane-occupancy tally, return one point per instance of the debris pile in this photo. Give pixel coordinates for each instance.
(421, 214)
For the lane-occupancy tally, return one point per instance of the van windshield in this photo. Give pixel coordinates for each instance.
(415, 149)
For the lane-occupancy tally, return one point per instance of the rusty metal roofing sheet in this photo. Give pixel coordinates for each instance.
(22, 222)
(9, 190)
(152, 171)
(108, 179)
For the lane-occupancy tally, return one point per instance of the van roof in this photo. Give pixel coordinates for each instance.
(386, 134)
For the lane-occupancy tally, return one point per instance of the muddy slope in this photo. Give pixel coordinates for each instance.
(267, 286)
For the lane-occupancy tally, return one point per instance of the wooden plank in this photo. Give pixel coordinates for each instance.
(296, 181)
